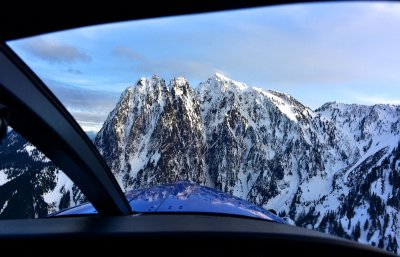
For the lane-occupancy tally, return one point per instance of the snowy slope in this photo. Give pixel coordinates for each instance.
(367, 192)
(30, 185)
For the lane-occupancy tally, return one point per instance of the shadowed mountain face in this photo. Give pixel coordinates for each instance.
(334, 169)
(155, 135)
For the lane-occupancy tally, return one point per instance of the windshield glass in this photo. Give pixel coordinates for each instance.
(31, 186)
(294, 108)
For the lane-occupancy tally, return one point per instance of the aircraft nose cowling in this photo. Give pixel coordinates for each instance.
(186, 197)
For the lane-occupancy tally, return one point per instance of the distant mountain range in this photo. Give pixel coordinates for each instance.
(334, 169)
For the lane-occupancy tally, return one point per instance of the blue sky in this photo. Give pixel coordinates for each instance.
(345, 52)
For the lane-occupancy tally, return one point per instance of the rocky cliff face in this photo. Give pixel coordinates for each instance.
(155, 135)
(335, 169)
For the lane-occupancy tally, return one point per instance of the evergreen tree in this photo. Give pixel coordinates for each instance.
(356, 231)
(366, 224)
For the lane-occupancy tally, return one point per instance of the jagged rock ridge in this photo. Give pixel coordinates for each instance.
(154, 135)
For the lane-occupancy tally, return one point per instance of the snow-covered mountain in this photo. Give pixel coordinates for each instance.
(335, 169)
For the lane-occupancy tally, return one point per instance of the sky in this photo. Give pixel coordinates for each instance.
(316, 52)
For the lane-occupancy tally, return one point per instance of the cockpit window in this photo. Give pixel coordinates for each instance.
(294, 108)
(31, 186)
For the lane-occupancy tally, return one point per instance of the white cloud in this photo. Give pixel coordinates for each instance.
(89, 107)
(53, 51)
(126, 52)
(385, 8)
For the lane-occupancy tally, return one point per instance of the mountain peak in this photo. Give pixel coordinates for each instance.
(179, 81)
(222, 83)
(179, 86)
(220, 76)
